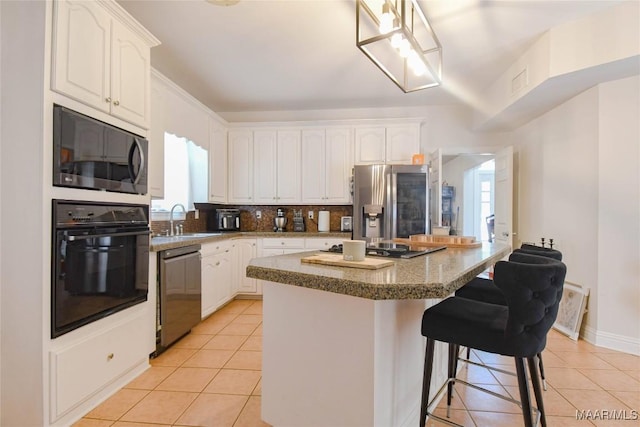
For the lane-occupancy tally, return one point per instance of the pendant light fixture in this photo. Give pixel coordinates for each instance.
(397, 37)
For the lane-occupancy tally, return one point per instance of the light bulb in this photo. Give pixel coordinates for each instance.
(386, 23)
(396, 40)
(386, 20)
(405, 48)
(416, 64)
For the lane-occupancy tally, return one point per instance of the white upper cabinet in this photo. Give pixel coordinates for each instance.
(403, 141)
(102, 60)
(217, 163)
(240, 185)
(265, 155)
(288, 169)
(370, 145)
(392, 144)
(326, 165)
(276, 157)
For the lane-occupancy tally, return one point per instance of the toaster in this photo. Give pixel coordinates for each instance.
(225, 220)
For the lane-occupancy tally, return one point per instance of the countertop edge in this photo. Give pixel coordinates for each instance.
(394, 291)
(166, 242)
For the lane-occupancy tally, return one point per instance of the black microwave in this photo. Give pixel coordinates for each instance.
(88, 153)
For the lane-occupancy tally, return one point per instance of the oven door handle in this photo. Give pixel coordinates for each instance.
(92, 236)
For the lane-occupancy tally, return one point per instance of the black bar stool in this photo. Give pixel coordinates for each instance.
(481, 289)
(532, 287)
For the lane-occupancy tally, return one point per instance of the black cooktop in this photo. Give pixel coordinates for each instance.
(390, 250)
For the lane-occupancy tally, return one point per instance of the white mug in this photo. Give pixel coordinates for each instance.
(353, 250)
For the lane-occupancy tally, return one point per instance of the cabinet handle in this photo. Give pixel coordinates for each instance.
(108, 99)
(218, 263)
(110, 356)
(282, 243)
(116, 102)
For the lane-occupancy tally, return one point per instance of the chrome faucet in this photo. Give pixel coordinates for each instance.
(171, 217)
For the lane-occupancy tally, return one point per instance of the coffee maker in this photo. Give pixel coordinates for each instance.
(280, 220)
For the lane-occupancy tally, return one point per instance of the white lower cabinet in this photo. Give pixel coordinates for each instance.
(246, 249)
(218, 266)
(82, 369)
(321, 243)
(279, 246)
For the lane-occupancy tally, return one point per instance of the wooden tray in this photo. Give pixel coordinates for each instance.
(337, 260)
(430, 241)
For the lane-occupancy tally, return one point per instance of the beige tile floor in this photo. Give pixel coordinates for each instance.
(211, 377)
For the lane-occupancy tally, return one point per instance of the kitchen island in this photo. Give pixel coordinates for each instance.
(342, 346)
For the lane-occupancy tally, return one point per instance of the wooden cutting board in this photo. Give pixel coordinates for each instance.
(337, 260)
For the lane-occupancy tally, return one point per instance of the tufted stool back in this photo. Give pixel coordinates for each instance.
(532, 286)
(537, 250)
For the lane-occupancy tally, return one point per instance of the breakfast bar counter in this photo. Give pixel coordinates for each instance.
(342, 346)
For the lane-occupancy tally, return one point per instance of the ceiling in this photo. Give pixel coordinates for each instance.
(288, 55)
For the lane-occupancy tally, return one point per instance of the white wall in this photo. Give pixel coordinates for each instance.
(619, 214)
(24, 242)
(568, 160)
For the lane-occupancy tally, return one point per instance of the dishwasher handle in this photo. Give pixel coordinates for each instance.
(184, 250)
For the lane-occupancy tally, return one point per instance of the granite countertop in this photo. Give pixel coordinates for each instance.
(435, 275)
(162, 243)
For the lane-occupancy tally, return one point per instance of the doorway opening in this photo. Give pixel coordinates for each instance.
(479, 201)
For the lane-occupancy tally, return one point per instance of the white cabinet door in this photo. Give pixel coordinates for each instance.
(81, 52)
(338, 166)
(100, 62)
(217, 275)
(326, 165)
(370, 146)
(223, 276)
(245, 251)
(209, 270)
(130, 76)
(265, 154)
(240, 166)
(217, 163)
(288, 167)
(313, 166)
(276, 167)
(403, 141)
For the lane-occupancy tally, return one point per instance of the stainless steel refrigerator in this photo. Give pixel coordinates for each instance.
(390, 201)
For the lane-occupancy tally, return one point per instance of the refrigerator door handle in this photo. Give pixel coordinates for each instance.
(392, 220)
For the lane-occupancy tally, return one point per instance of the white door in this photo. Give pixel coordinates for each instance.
(435, 188)
(504, 196)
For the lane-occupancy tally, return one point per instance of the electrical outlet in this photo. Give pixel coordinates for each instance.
(258, 214)
(197, 214)
(310, 214)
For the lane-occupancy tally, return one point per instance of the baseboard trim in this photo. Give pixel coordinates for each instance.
(617, 342)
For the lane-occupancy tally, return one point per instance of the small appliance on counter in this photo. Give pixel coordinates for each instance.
(298, 220)
(280, 220)
(323, 221)
(346, 223)
(224, 220)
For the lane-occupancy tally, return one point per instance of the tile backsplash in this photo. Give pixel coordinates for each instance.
(250, 222)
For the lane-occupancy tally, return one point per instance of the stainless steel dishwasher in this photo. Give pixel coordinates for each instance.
(179, 294)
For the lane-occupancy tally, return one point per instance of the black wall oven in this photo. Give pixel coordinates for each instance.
(100, 261)
(88, 153)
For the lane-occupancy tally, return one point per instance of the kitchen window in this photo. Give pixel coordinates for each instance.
(186, 172)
